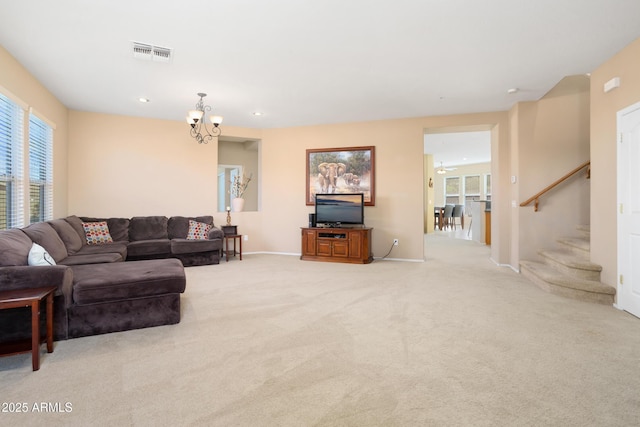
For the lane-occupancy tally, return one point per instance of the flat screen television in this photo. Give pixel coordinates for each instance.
(340, 208)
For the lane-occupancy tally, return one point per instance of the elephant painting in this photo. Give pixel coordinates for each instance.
(328, 175)
(340, 170)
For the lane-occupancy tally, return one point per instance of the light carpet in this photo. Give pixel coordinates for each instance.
(275, 341)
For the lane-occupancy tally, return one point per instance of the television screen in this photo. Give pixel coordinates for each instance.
(335, 208)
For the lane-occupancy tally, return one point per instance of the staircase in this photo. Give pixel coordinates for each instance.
(568, 272)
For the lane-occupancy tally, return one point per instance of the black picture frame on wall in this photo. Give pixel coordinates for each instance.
(341, 170)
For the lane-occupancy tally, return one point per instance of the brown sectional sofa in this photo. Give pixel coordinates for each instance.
(98, 292)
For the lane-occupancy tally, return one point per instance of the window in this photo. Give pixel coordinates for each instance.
(11, 158)
(452, 190)
(487, 187)
(40, 170)
(471, 191)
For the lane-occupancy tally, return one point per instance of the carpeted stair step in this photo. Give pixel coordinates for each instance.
(553, 281)
(568, 263)
(584, 230)
(577, 245)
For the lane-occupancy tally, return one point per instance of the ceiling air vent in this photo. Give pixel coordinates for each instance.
(151, 53)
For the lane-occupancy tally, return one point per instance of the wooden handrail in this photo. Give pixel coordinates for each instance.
(559, 181)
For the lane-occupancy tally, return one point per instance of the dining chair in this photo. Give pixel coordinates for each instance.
(458, 212)
(448, 215)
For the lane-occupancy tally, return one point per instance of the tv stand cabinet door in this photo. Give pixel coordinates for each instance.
(324, 247)
(355, 244)
(308, 242)
(340, 249)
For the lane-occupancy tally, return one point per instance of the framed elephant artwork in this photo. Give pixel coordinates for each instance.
(341, 170)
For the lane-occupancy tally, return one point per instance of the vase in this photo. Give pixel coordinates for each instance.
(237, 204)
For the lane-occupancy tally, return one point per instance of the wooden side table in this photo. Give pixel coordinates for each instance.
(30, 297)
(234, 237)
(229, 230)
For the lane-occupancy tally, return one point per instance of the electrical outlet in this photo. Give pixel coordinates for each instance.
(395, 242)
(245, 237)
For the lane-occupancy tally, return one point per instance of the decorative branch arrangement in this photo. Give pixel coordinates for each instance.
(239, 185)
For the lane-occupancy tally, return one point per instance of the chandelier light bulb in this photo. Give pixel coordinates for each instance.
(196, 114)
(216, 120)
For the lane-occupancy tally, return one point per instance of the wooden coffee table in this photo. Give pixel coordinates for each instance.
(30, 297)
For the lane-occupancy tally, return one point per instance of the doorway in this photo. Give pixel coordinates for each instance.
(629, 209)
(457, 172)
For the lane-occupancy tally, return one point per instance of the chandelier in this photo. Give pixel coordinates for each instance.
(199, 129)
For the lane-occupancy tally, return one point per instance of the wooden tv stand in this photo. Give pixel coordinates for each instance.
(351, 245)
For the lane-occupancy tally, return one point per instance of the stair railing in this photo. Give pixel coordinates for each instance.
(535, 197)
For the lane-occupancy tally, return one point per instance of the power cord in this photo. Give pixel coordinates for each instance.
(392, 245)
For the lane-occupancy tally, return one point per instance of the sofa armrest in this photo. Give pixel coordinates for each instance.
(20, 277)
(215, 233)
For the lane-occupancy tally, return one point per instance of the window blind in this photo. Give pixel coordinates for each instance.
(40, 170)
(11, 160)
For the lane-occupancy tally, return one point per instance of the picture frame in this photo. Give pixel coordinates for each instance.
(341, 170)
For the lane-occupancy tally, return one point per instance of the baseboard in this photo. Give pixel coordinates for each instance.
(272, 253)
(517, 270)
(299, 254)
(398, 259)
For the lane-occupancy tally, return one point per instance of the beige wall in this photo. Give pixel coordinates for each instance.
(429, 193)
(552, 139)
(137, 166)
(604, 108)
(513, 198)
(17, 80)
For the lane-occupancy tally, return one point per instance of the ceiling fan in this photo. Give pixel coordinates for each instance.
(442, 170)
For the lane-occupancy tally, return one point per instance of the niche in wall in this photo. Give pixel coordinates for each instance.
(238, 156)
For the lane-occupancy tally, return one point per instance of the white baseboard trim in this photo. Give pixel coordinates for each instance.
(299, 254)
(517, 270)
(271, 253)
(398, 259)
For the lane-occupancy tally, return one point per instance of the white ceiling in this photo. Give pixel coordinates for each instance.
(303, 62)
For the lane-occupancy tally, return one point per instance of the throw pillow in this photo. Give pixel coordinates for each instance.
(39, 256)
(97, 233)
(198, 230)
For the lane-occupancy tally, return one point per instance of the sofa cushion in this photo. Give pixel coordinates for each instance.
(98, 258)
(14, 247)
(43, 234)
(115, 247)
(120, 281)
(178, 226)
(142, 248)
(119, 228)
(38, 256)
(76, 223)
(148, 228)
(70, 237)
(187, 246)
(97, 233)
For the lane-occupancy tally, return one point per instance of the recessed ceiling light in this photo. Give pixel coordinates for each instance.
(257, 113)
(512, 90)
(143, 100)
